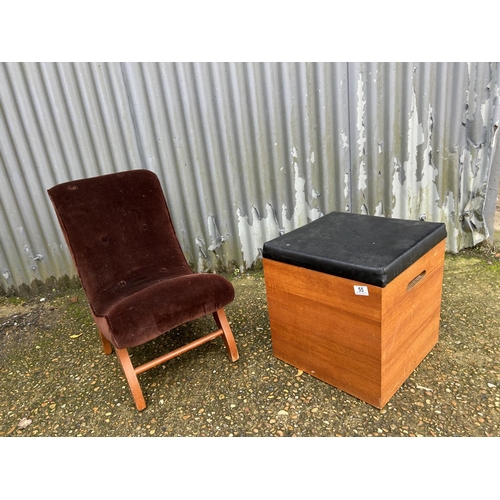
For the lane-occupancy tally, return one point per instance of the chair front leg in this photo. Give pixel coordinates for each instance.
(106, 344)
(131, 377)
(222, 322)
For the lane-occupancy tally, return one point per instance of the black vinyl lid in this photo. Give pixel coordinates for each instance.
(364, 248)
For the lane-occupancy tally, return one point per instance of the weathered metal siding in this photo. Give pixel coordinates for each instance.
(246, 150)
(57, 122)
(243, 149)
(422, 141)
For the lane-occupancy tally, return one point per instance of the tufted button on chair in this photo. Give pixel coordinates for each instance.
(132, 268)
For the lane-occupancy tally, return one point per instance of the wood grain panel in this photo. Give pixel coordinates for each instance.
(364, 345)
(410, 327)
(319, 326)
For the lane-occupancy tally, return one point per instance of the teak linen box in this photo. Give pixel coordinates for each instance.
(355, 300)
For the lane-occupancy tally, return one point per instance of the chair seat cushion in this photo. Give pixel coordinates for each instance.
(157, 307)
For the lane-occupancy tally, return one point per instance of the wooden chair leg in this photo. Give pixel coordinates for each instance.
(131, 372)
(222, 322)
(131, 377)
(106, 344)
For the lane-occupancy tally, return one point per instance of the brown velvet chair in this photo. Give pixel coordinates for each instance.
(132, 268)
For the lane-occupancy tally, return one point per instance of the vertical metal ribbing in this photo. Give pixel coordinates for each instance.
(245, 151)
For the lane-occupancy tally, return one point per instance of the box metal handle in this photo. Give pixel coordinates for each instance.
(415, 280)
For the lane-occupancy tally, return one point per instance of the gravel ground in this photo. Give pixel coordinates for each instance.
(56, 381)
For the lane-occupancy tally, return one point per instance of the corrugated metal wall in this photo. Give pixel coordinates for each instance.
(246, 151)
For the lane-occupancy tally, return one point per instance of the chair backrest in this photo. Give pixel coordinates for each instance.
(119, 231)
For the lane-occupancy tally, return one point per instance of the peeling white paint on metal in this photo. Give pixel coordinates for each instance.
(408, 193)
(202, 255)
(253, 235)
(485, 111)
(360, 126)
(448, 213)
(363, 177)
(302, 213)
(347, 189)
(379, 210)
(428, 195)
(215, 237)
(475, 164)
(345, 143)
